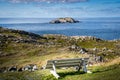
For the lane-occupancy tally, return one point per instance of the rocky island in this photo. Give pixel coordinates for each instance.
(64, 20)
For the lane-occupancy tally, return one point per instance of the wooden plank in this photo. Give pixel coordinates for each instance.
(80, 65)
(59, 66)
(63, 60)
(84, 66)
(68, 59)
(53, 64)
(54, 67)
(65, 63)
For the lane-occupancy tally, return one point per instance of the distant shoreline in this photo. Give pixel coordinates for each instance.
(75, 37)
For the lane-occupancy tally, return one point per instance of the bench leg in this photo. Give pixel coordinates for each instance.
(54, 71)
(84, 67)
(55, 74)
(79, 67)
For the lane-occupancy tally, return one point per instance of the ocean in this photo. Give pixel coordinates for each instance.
(104, 28)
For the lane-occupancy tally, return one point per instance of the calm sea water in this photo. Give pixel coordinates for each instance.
(105, 28)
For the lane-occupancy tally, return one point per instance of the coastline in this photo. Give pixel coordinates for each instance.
(107, 29)
(76, 37)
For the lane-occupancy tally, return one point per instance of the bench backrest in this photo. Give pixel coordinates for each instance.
(66, 62)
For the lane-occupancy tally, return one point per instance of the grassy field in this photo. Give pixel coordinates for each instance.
(19, 48)
(110, 71)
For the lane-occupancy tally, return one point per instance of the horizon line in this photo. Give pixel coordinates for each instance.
(65, 16)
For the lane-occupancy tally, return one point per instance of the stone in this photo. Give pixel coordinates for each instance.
(104, 49)
(86, 38)
(20, 69)
(83, 51)
(74, 48)
(99, 59)
(30, 67)
(3, 70)
(89, 72)
(95, 49)
(12, 69)
(27, 68)
(43, 67)
(34, 68)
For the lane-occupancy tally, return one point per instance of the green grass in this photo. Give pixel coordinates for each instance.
(105, 75)
(21, 54)
(99, 73)
(99, 44)
(21, 76)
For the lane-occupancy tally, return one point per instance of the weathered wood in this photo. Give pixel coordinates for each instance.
(59, 63)
(84, 66)
(80, 64)
(65, 65)
(69, 59)
(63, 62)
(54, 67)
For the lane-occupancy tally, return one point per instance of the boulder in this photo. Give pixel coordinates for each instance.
(34, 68)
(74, 48)
(30, 67)
(86, 38)
(20, 69)
(64, 20)
(12, 69)
(104, 49)
(3, 69)
(43, 67)
(27, 68)
(95, 49)
(99, 59)
(83, 51)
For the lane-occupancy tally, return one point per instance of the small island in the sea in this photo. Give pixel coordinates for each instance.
(64, 20)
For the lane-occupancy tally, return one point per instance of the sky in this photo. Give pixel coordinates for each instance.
(59, 8)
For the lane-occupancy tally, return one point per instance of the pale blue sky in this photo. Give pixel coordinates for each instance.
(59, 8)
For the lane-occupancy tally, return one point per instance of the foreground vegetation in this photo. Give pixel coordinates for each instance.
(19, 48)
(110, 72)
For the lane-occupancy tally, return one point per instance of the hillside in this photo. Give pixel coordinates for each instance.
(20, 48)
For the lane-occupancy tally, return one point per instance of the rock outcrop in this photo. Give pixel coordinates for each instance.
(86, 38)
(64, 20)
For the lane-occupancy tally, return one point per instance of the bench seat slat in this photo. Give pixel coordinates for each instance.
(59, 66)
(68, 59)
(64, 62)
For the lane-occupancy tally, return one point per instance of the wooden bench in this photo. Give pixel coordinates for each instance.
(61, 63)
